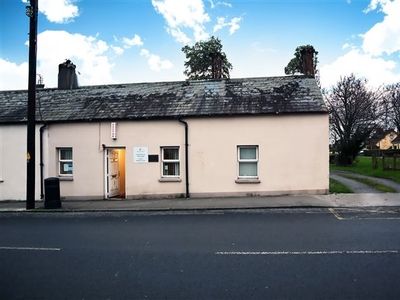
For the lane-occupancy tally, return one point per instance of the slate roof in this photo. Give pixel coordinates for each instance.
(138, 101)
(396, 140)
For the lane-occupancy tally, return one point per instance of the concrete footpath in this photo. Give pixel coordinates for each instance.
(299, 201)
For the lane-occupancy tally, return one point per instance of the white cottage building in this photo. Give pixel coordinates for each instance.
(229, 137)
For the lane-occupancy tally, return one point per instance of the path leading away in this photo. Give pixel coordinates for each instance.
(359, 187)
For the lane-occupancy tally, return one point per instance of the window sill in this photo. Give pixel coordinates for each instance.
(247, 180)
(169, 180)
(66, 178)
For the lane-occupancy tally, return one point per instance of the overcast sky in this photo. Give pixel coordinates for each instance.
(126, 41)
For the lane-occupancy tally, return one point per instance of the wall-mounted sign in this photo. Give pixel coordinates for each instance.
(140, 154)
(114, 130)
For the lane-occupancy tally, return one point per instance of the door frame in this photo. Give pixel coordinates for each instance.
(122, 175)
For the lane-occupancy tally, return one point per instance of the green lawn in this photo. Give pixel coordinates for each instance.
(363, 165)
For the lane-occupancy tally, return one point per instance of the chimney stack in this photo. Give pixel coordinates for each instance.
(216, 65)
(67, 78)
(307, 60)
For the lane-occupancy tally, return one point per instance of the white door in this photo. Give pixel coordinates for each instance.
(113, 173)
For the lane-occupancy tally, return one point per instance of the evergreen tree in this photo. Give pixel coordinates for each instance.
(205, 60)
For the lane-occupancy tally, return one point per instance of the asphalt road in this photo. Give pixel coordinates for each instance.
(255, 254)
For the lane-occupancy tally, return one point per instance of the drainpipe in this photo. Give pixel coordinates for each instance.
(186, 157)
(41, 161)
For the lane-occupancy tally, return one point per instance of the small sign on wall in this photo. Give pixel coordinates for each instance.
(114, 130)
(140, 155)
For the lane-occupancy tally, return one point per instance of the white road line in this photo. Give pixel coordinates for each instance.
(30, 248)
(361, 218)
(311, 252)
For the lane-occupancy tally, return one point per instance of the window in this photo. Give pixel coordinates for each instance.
(170, 162)
(248, 161)
(65, 162)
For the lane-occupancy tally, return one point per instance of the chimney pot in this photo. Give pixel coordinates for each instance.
(67, 78)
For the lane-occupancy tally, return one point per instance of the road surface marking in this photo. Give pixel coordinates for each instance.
(30, 248)
(364, 212)
(311, 252)
(383, 218)
(377, 211)
(12, 209)
(189, 213)
(335, 213)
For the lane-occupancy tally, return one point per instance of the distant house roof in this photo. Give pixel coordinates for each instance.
(396, 140)
(227, 97)
(379, 136)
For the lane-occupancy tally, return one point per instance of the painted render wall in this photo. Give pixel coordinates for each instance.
(87, 141)
(13, 162)
(87, 158)
(293, 156)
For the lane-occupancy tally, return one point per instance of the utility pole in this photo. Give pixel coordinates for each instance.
(32, 13)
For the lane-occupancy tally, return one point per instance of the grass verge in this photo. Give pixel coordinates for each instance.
(363, 165)
(336, 187)
(375, 185)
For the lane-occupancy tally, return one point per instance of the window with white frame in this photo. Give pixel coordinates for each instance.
(248, 161)
(65, 162)
(170, 162)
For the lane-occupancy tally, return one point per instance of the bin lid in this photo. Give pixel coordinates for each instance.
(52, 179)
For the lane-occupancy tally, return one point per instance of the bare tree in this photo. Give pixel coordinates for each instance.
(355, 111)
(392, 101)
